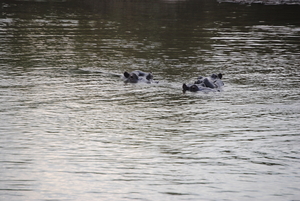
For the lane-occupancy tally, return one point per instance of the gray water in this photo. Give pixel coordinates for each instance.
(70, 129)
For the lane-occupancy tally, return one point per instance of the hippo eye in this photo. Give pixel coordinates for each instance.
(194, 88)
(198, 82)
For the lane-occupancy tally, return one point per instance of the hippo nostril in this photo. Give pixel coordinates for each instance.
(214, 76)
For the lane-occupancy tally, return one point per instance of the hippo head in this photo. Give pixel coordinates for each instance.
(131, 77)
(138, 76)
(214, 76)
(192, 88)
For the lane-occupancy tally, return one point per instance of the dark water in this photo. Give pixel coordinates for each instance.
(71, 130)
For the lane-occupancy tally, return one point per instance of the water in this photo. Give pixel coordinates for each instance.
(72, 130)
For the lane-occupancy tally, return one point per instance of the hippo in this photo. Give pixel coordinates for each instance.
(205, 84)
(138, 76)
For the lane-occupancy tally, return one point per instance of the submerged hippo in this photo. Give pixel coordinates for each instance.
(138, 76)
(206, 84)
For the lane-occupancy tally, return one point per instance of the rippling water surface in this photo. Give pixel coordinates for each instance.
(70, 129)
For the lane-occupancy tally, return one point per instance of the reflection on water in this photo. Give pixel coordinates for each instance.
(71, 129)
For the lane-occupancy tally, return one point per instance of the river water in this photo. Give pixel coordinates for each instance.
(70, 129)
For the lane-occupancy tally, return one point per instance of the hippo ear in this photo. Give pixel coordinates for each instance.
(220, 75)
(185, 87)
(126, 74)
